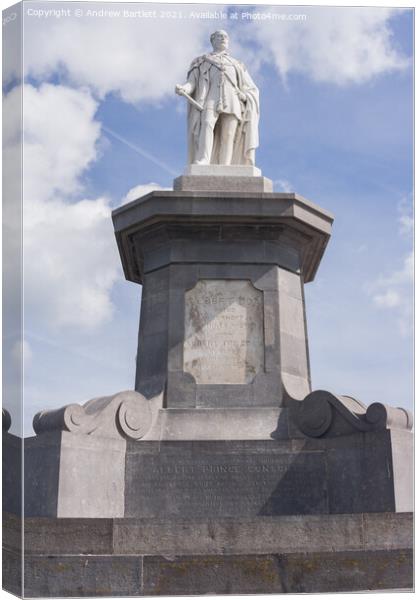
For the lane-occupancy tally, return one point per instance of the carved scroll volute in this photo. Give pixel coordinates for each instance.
(126, 414)
(381, 416)
(314, 415)
(323, 414)
(6, 420)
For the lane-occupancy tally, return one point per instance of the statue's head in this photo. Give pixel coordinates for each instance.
(219, 40)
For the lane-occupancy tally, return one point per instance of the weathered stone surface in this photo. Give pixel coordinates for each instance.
(278, 573)
(311, 553)
(323, 414)
(68, 536)
(143, 575)
(223, 332)
(12, 451)
(388, 531)
(63, 576)
(184, 424)
(168, 343)
(361, 473)
(224, 171)
(174, 536)
(307, 533)
(12, 571)
(402, 445)
(217, 183)
(351, 474)
(290, 215)
(177, 244)
(214, 477)
(74, 475)
(221, 479)
(12, 530)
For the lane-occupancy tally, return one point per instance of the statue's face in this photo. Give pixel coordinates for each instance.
(220, 41)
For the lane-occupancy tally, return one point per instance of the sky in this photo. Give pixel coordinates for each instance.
(103, 126)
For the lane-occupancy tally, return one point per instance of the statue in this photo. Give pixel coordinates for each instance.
(223, 111)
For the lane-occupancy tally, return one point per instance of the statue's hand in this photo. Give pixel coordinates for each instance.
(179, 89)
(242, 96)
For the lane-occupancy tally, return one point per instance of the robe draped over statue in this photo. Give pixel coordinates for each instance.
(246, 138)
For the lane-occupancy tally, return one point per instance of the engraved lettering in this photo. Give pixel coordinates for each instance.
(224, 341)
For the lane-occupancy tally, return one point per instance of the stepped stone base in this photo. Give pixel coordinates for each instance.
(141, 557)
(222, 178)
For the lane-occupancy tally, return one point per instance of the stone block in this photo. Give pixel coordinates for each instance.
(224, 171)
(194, 575)
(217, 183)
(262, 535)
(403, 469)
(180, 424)
(74, 475)
(305, 228)
(279, 573)
(224, 479)
(51, 576)
(388, 531)
(360, 473)
(346, 571)
(138, 557)
(12, 451)
(12, 580)
(68, 536)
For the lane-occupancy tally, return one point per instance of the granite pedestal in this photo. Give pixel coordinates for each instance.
(222, 472)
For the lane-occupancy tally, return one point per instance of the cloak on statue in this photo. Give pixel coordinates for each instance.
(246, 138)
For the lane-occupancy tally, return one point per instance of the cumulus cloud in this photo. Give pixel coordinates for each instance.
(61, 138)
(70, 258)
(138, 59)
(71, 262)
(142, 61)
(333, 45)
(406, 217)
(395, 292)
(283, 185)
(141, 190)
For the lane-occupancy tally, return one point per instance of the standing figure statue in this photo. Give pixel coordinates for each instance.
(223, 111)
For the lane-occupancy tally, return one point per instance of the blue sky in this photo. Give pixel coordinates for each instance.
(101, 119)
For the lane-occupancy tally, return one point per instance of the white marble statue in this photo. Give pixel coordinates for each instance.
(223, 110)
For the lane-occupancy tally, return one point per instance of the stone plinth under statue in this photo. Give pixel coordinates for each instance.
(222, 458)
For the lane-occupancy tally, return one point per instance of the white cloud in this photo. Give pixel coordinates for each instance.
(141, 190)
(142, 61)
(389, 299)
(71, 263)
(60, 136)
(138, 59)
(333, 45)
(406, 217)
(70, 256)
(395, 292)
(284, 185)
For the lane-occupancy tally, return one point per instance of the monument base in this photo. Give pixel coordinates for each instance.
(323, 505)
(222, 178)
(143, 557)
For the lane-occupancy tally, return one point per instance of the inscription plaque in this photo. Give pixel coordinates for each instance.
(195, 482)
(224, 341)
